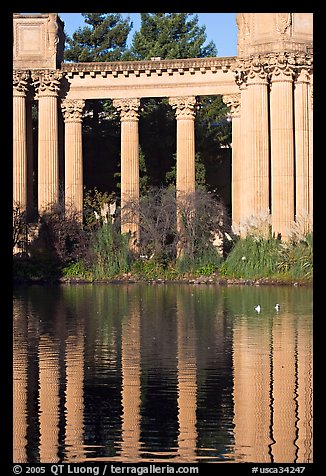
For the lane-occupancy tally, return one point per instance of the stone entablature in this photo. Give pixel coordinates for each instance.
(156, 67)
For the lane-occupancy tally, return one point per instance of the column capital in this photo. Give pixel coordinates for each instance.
(233, 101)
(128, 108)
(72, 109)
(20, 82)
(46, 82)
(184, 106)
(281, 66)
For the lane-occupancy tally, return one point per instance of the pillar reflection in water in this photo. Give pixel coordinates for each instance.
(187, 384)
(251, 391)
(49, 376)
(20, 357)
(74, 406)
(272, 390)
(284, 371)
(131, 397)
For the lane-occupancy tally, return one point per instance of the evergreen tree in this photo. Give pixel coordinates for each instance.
(104, 39)
(170, 35)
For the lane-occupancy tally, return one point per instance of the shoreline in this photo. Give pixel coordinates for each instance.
(201, 280)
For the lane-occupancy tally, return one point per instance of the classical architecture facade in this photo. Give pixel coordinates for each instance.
(268, 87)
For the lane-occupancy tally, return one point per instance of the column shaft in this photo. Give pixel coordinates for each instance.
(185, 182)
(310, 171)
(129, 168)
(48, 165)
(19, 151)
(30, 164)
(301, 149)
(73, 168)
(72, 112)
(257, 160)
(282, 156)
(236, 172)
(130, 173)
(244, 209)
(233, 101)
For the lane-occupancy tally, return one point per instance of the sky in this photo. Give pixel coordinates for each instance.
(221, 28)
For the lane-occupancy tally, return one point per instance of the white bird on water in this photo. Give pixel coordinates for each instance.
(277, 307)
(257, 308)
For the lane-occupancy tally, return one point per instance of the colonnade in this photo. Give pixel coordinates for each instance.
(47, 86)
(271, 143)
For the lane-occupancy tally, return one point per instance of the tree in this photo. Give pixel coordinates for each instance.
(105, 39)
(171, 35)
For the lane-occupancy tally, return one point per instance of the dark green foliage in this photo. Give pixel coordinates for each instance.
(170, 35)
(103, 39)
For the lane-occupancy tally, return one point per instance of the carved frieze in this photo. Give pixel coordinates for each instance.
(46, 82)
(20, 82)
(184, 106)
(72, 109)
(128, 108)
(233, 101)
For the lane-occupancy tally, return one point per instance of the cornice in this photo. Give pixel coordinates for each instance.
(149, 67)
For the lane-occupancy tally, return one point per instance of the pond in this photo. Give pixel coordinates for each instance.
(162, 373)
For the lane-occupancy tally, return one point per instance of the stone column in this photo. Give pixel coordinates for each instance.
(282, 144)
(233, 101)
(30, 161)
(20, 79)
(257, 159)
(244, 210)
(47, 84)
(301, 120)
(310, 172)
(185, 182)
(72, 112)
(129, 116)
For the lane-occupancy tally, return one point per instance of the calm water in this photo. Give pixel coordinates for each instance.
(172, 373)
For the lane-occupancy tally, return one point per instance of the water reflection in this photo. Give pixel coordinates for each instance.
(162, 373)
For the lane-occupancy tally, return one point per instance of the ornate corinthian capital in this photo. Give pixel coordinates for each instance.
(72, 109)
(128, 108)
(281, 66)
(20, 82)
(184, 106)
(233, 102)
(46, 82)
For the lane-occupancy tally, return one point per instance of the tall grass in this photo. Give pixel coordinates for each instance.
(252, 257)
(110, 252)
